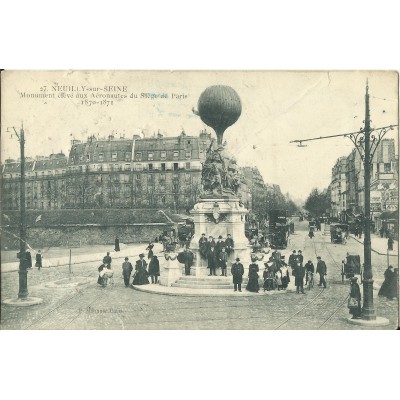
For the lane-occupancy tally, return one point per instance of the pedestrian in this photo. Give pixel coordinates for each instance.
(268, 276)
(211, 256)
(126, 271)
(222, 260)
(101, 278)
(229, 244)
(354, 302)
(188, 260)
(150, 249)
(278, 279)
(309, 270)
(141, 275)
(154, 269)
(28, 257)
(252, 284)
(300, 257)
(203, 246)
(381, 231)
(285, 276)
(322, 271)
(107, 259)
(237, 271)
(311, 233)
(386, 288)
(394, 290)
(116, 246)
(299, 273)
(218, 246)
(38, 263)
(292, 261)
(390, 243)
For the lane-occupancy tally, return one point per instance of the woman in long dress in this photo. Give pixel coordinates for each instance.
(355, 293)
(141, 274)
(285, 276)
(252, 285)
(386, 288)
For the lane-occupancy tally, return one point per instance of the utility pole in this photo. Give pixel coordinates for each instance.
(366, 147)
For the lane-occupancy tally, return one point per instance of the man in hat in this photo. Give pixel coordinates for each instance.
(299, 272)
(300, 257)
(229, 244)
(211, 256)
(237, 271)
(126, 271)
(309, 270)
(107, 259)
(321, 270)
(292, 259)
(38, 263)
(219, 245)
(203, 245)
(223, 259)
(189, 257)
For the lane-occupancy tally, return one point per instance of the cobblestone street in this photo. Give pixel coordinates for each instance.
(90, 306)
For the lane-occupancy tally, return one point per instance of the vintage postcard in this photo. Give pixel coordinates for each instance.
(213, 200)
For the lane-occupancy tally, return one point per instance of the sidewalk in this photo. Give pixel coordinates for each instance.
(379, 245)
(59, 256)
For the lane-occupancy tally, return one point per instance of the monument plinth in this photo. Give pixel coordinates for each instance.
(219, 217)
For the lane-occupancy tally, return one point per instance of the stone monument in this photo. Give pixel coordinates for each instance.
(219, 211)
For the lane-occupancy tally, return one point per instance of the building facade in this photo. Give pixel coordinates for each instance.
(140, 172)
(347, 183)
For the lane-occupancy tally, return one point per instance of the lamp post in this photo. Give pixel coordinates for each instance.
(22, 271)
(366, 141)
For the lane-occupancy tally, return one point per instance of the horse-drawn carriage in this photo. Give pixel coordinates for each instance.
(339, 233)
(351, 266)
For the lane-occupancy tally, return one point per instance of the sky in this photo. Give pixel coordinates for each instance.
(277, 107)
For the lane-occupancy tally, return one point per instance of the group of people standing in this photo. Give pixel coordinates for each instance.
(217, 253)
(142, 270)
(28, 259)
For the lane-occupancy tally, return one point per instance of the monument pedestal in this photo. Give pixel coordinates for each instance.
(219, 216)
(171, 269)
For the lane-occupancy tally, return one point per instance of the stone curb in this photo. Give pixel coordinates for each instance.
(173, 291)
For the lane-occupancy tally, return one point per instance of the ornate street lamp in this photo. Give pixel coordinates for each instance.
(366, 141)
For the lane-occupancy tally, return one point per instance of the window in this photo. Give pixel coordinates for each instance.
(137, 177)
(162, 177)
(87, 157)
(163, 155)
(175, 187)
(138, 167)
(163, 199)
(163, 166)
(176, 166)
(188, 165)
(138, 156)
(150, 178)
(188, 154)
(127, 167)
(150, 167)
(80, 158)
(101, 155)
(113, 156)
(176, 154)
(187, 177)
(127, 156)
(386, 167)
(150, 156)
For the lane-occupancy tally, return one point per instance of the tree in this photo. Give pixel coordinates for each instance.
(317, 202)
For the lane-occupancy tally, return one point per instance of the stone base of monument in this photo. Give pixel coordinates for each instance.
(219, 216)
(170, 269)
